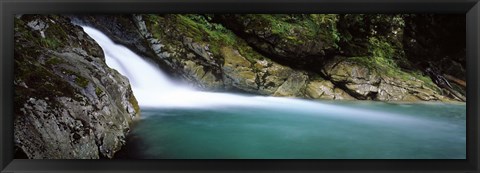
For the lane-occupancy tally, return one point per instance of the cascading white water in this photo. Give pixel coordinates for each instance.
(154, 89)
(150, 86)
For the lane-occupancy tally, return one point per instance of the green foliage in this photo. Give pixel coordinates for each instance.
(372, 24)
(382, 57)
(328, 22)
(297, 28)
(201, 29)
(205, 30)
(357, 29)
(283, 26)
(382, 61)
(382, 49)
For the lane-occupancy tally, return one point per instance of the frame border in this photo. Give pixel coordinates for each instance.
(9, 8)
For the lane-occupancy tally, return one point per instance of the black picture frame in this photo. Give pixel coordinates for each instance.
(8, 8)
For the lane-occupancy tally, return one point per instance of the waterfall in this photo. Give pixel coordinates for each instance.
(150, 86)
(153, 88)
(247, 125)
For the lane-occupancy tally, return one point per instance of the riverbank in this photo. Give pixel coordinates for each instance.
(89, 91)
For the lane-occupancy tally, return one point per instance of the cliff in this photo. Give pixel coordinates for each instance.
(68, 103)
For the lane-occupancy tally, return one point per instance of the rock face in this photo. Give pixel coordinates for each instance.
(68, 103)
(306, 56)
(365, 83)
(297, 39)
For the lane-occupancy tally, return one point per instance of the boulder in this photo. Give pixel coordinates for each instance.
(363, 82)
(296, 40)
(68, 103)
(324, 89)
(238, 71)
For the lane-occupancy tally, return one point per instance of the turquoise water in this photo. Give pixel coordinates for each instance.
(334, 130)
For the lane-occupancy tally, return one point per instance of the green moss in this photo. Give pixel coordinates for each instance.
(98, 91)
(201, 30)
(153, 23)
(134, 102)
(54, 36)
(54, 60)
(216, 35)
(293, 29)
(25, 37)
(52, 43)
(41, 81)
(382, 58)
(246, 51)
(382, 61)
(81, 81)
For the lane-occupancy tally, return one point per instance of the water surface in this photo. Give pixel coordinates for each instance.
(423, 131)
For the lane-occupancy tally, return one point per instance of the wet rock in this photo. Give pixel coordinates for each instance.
(58, 113)
(200, 76)
(238, 70)
(359, 80)
(363, 82)
(293, 86)
(324, 89)
(286, 38)
(121, 29)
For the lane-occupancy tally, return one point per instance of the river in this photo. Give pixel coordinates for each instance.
(179, 122)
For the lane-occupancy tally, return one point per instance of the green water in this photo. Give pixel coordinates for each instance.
(332, 130)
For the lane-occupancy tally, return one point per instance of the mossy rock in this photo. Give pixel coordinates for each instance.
(294, 39)
(60, 74)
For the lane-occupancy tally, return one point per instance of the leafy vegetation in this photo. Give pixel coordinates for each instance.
(204, 30)
(382, 61)
(298, 28)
